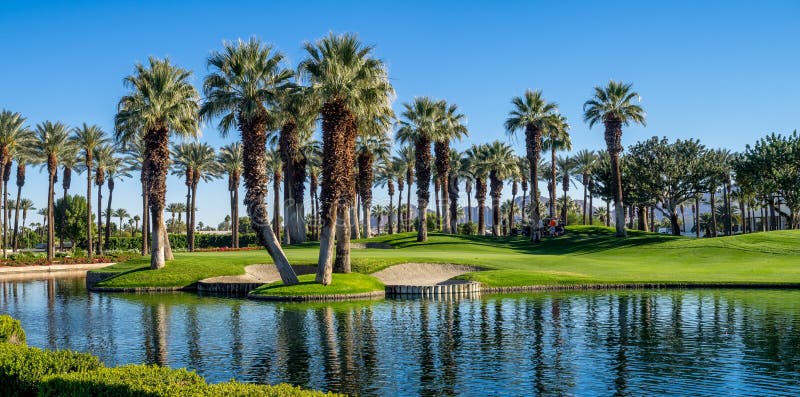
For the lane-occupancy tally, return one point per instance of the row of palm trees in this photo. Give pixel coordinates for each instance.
(344, 86)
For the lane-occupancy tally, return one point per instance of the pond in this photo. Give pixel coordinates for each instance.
(666, 342)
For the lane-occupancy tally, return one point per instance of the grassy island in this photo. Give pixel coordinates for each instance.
(587, 255)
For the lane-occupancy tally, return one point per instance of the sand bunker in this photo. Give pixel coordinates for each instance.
(422, 273)
(259, 274)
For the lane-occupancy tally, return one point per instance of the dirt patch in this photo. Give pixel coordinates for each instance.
(422, 273)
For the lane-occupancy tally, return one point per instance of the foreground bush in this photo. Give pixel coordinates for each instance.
(28, 371)
(11, 331)
(22, 368)
(154, 381)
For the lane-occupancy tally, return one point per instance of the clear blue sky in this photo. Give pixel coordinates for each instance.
(725, 72)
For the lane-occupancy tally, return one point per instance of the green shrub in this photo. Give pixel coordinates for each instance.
(22, 368)
(154, 381)
(178, 241)
(11, 331)
(127, 381)
(468, 228)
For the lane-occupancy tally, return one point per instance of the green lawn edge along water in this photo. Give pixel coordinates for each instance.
(586, 255)
(342, 284)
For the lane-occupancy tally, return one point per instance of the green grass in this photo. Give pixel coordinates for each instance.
(586, 255)
(353, 283)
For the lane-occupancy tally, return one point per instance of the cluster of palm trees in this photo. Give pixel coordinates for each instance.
(344, 87)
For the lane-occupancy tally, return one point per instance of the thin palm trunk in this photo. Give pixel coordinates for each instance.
(108, 209)
(190, 240)
(436, 188)
(533, 146)
(408, 204)
(5, 158)
(390, 220)
(276, 204)
(480, 195)
(99, 219)
(20, 182)
(89, 204)
(50, 217)
(713, 199)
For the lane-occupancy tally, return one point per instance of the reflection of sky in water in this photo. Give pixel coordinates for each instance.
(696, 342)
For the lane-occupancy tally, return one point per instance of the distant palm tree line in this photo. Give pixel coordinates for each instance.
(340, 83)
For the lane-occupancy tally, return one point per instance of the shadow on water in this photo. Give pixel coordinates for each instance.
(624, 343)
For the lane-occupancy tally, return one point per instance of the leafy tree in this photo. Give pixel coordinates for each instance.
(71, 220)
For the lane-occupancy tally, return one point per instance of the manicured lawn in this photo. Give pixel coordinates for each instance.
(587, 255)
(353, 283)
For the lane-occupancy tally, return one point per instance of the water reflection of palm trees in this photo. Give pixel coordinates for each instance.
(155, 321)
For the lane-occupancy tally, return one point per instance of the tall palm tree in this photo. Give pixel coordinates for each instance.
(556, 137)
(349, 82)
(378, 211)
(161, 102)
(117, 169)
(103, 160)
(245, 77)
(585, 162)
(314, 171)
(69, 159)
(565, 166)
(121, 214)
(13, 134)
(135, 156)
(387, 174)
(523, 166)
(370, 149)
(50, 141)
(422, 120)
(477, 166)
(22, 160)
(86, 138)
(404, 161)
(531, 113)
(613, 106)
(199, 162)
(230, 162)
(174, 208)
(452, 128)
(25, 205)
(499, 159)
(296, 115)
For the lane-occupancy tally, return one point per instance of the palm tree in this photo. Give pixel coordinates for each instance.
(86, 138)
(585, 161)
(565, 166)
(121, 213)
(69, 159)
(103, 160)
(314, 172)
(349, 82)
(531, 113)
(116, 169)
(50, 141)
(245, 77)
(198, 162)
(405, 163)
(174, 208)
(25, 205)
(369, 149)
(423, 118)
(387, 174)
(378, 211)
(474, 157)
(523, 166)
(454, 173)
(161, 102)
(13, 134)
(135, 219)
(452, 128)
(230, 162)
(22, 160)
(296, 115)
(499, 159)
(513, 176)
(556, 137)
(613, 106)
(135, 156)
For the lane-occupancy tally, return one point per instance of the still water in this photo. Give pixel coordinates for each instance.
(688, 342)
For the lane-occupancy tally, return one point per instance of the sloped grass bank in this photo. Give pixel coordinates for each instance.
(344, 286)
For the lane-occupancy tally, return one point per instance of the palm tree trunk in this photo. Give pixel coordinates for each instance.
(422, 151)
(452, 191)
(190, 239)
(608, 213)
(343, 234)
(533, 146)
(390, 214)
(469, 207)
(408, 207)
(713, 200)
(145, 211)
(89, 205)
(522, 207)
(50, 217)
(14, 242)
(619, 210)
(236, 216)
(553, 182)
(355, 225)
(480, 195)
(495, 216)
(399, 212)
(99, 219)
(367, 209)
(4, 157)
(108, 210)
(585, 183)
(436, 188)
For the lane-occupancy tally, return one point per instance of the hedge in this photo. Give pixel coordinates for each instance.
(178, 241)
(154, 381)
(11, 331)
(22, 368)
(28, 371)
